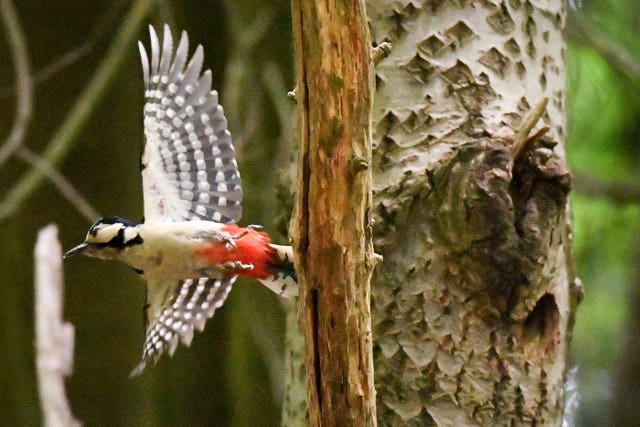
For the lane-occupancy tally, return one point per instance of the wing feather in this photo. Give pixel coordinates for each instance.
(167, 53)
(178, 310)
(155, 50)
(189, 170)
(177, 68)
(145, 64)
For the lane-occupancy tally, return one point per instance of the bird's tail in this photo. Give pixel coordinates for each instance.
(283, 279)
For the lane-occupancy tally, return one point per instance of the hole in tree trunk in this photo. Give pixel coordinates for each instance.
(542, 324)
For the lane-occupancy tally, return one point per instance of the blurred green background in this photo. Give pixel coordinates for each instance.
(603, 83)
(233, 373)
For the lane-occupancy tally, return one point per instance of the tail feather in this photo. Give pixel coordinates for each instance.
(283, 279)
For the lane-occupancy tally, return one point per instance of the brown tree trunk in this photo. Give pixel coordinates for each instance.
(331, 229)
(474, 303)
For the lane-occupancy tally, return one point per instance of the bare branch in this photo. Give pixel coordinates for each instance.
(24, 99)
(65, 188)
(73, 55)
(54, 336)
(380, 52)
(276, 88)
(584, 33)
(522, 139)
(67, 133)
(619, 193)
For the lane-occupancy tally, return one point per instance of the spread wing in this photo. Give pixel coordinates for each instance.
(176, 311)
(189, 170)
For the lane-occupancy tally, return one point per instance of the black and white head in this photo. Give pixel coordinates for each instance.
(107, 237)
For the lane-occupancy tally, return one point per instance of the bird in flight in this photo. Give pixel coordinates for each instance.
(188, 248)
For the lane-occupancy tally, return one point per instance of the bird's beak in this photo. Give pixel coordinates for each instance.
(78, 250)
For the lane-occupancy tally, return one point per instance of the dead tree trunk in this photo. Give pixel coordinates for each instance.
(331, 227)
(474, 304)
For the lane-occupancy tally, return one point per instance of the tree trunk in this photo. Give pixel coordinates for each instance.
(474, 304)
(624, 408)
(331, 228)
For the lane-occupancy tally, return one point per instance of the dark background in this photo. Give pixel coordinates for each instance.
(233, 372)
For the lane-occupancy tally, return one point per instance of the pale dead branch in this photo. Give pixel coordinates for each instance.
(54, 336)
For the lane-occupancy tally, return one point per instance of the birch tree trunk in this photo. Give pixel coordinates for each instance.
(474, 304)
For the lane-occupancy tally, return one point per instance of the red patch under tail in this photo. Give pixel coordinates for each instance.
(252, 248)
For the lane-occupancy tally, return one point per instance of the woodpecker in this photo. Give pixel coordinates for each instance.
(188, 248)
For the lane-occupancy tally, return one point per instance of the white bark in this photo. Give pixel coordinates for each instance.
(474, 303)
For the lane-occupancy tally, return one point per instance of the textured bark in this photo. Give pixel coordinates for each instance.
(295, 411)
(474, 303)
(331, 228)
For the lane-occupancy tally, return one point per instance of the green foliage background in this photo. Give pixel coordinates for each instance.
(604, 151)
(233, 373)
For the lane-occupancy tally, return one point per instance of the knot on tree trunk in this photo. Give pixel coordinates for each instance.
(499, 216)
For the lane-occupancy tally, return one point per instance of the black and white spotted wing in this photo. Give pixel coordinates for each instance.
(189, 170)
(179, 310)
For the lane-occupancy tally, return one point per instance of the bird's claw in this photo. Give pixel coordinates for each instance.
(224, 269)
(230, 241)
(235, 266)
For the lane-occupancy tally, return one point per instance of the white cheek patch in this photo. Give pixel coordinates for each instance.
(129, 235)
(104, 233)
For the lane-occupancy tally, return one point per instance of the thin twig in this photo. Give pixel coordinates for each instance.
(54, 336)
(619, 193)
(68, 58)
(522, 138)
(75, 121)
(242, 139)
(586, 34)
(380, 52)
(24, 99)
(276, 88)
(65, 188)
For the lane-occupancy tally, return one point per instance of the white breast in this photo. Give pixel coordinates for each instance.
(166, 252)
